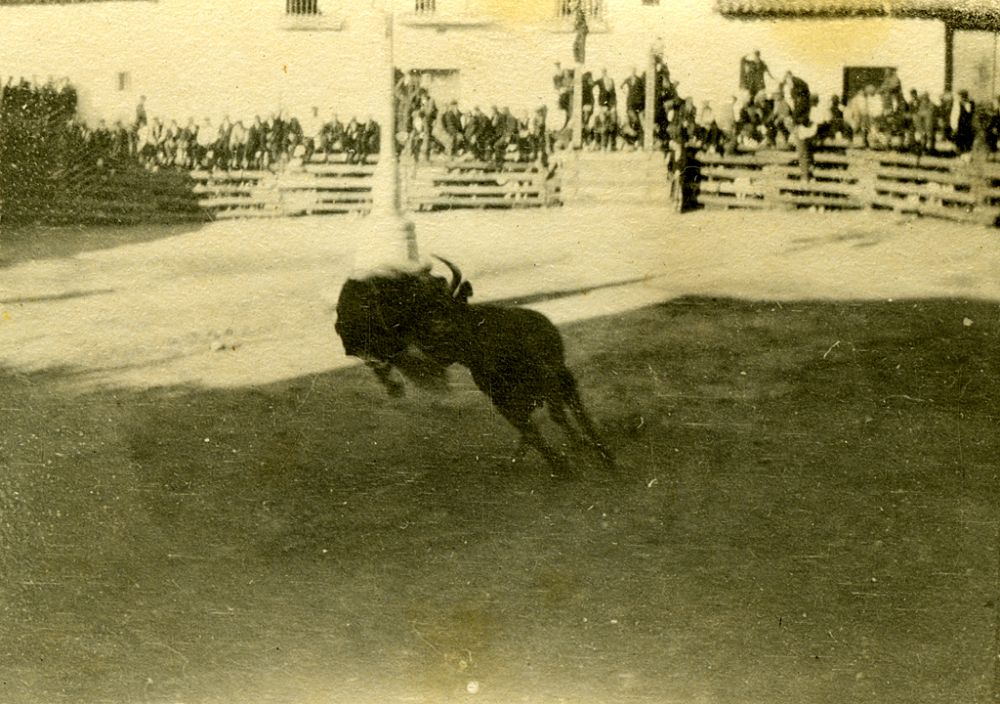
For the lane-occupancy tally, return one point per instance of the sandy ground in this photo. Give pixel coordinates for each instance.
(155, 313)
(199, 506)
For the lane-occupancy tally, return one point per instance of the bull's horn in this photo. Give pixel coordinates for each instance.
(456, 273)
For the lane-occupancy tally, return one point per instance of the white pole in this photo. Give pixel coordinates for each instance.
(649, 114)
(393, 245)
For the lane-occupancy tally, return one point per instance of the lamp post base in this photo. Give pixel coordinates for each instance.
(390, 248)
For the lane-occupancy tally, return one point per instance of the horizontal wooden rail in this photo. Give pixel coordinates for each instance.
(325, 187)
(958, 189)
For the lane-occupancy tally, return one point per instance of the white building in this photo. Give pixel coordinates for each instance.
(241, 57)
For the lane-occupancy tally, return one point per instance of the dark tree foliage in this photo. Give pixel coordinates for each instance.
(39, 139)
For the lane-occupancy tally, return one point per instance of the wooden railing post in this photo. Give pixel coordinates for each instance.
(975, 171)
(772, 176)
(864, 170)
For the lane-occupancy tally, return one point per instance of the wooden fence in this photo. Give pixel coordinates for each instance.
(957, 189)
(307, 189)
(347, 188)
(458, 184)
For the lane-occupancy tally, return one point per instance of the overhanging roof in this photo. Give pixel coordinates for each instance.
(976, 14)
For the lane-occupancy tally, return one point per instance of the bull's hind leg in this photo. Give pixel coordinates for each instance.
(520, 418)
(572, 398)
(383, 370)
(557, 411)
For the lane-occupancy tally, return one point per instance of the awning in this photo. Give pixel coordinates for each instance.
(971, 14)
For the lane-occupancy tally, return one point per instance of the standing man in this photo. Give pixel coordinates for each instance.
(962, 112)
(752, 72)
(562, 81)
(140, 113)
(797, 92)
(451, 121)
(634, 87)
(607, 100)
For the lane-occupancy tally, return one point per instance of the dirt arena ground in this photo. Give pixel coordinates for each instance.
(202, 500)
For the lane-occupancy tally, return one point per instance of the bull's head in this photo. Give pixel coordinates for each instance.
(380, 320)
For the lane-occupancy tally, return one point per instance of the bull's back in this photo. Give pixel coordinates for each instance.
(520, 352)
(517, 331)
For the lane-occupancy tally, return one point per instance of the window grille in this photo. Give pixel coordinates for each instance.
(301, 7)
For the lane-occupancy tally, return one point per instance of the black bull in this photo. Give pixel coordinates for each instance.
(421, 324)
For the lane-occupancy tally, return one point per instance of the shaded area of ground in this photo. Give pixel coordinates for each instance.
(806, 511)
(35, 242)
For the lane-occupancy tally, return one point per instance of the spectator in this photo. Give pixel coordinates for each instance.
(238, 145)
(780, 121)
(221, 145)
(925, 124)
(943, 116)
(312, 134)
(539, 136)
(256, 144)
(476, 133)
(371, 138)
(451, 122)
(607, 97)
(140, 113)
(839, 129)
(796, 92)
(863, 110)
(992, 126)
(562, 81)
(752, 72)
(205, 142)
(634, 87)
(334, 133)
(962, 113)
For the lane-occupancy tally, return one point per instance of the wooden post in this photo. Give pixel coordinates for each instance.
(978, 188)
(577, 106)
(949, 57)
(863, 168)
(650, 111)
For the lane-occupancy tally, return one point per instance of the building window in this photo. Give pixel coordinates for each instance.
(592, 9)
(124, 81)
(650, 2)
(301, 7)
(425, 7)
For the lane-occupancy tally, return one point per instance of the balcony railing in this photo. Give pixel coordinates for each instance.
(424, 7)
(592, 9)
